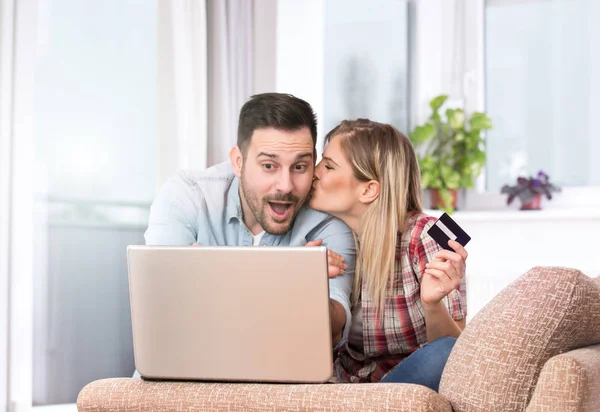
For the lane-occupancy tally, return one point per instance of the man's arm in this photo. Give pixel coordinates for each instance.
(338, 237)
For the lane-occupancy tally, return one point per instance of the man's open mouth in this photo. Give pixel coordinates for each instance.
(281, 210)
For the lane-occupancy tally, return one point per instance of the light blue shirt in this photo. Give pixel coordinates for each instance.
(204, 207)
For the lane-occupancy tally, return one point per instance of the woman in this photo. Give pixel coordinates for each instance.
(409, 301)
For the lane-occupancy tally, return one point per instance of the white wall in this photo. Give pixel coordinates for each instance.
(506, 244)
(594, 63)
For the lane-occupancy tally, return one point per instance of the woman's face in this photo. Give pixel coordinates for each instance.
(335, 190)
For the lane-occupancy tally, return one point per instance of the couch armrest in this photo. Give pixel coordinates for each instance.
(569, 382)
(126, 394)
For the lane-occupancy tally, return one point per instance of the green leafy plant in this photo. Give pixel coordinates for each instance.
(451, 150)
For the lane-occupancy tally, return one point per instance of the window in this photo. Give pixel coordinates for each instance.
(95, 150)
(543, 90)
(366, 62)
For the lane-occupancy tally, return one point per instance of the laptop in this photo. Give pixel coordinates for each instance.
(246, 314)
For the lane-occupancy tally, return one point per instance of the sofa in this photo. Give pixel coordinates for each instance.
(534, 347)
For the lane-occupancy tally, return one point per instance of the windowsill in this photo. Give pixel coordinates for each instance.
(521, 215)
(573, 203)
(66, 407)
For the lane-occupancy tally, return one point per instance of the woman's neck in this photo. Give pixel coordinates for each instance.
(353, 220)
(353, 223)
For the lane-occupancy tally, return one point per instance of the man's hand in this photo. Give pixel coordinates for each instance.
(335, 262)
(337, 316)
(443, 274)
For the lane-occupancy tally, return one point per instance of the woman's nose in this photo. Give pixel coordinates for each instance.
(317, 172)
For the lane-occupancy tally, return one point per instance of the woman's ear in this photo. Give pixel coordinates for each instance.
(237, 160)
(369, 191)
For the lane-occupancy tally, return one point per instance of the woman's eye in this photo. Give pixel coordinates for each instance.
(328, 167)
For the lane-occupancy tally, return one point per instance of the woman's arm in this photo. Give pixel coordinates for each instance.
(439, 323)
(441, 276)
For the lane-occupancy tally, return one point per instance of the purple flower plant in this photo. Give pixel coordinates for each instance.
(528, 188)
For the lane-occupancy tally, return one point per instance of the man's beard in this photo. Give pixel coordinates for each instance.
(259, 208)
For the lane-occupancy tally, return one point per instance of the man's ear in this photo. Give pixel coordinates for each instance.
(237, 161)
(369, 191)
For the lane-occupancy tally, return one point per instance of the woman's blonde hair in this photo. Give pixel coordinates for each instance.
(380, 152)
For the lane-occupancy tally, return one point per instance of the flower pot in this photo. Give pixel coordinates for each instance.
(436, 199)
(535, 204)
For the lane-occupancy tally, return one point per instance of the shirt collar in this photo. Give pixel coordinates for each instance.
(234, 205)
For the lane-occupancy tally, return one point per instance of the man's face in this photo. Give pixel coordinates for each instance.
(276, 177)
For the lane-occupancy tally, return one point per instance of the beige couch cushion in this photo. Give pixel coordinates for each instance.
(569, 382)
(496, 361)
(125, 394)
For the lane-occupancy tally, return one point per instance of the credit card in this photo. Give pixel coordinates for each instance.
(445, 229)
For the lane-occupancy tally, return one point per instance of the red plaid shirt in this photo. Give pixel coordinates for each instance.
(402, 331)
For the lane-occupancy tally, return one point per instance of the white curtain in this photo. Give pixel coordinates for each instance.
(17, 61)
(182, 78)
(454, 48)
(230, 71)
(204, 77)
(6, 64)
(462, 66)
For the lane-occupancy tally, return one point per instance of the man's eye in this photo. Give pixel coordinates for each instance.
(301, 167)
(268, 166)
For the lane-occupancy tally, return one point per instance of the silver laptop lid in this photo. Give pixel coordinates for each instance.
(231, 313)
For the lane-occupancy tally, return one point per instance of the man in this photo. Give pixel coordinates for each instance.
(258, 197)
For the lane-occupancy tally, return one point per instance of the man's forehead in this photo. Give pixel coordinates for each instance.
(276, 141)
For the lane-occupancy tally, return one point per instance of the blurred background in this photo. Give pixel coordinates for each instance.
(102, 101)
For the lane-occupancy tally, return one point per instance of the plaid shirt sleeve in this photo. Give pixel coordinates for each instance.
(423, 250)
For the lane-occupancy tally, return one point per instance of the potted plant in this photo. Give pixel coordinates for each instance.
(530, 191)
(451, 152)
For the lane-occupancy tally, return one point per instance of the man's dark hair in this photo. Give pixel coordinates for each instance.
(276, 110)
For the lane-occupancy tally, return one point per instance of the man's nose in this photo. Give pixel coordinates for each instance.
(284, 184)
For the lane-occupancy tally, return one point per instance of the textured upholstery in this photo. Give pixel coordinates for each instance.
(135, 395)
(496, 361)
(569, 382)
(519, 352)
